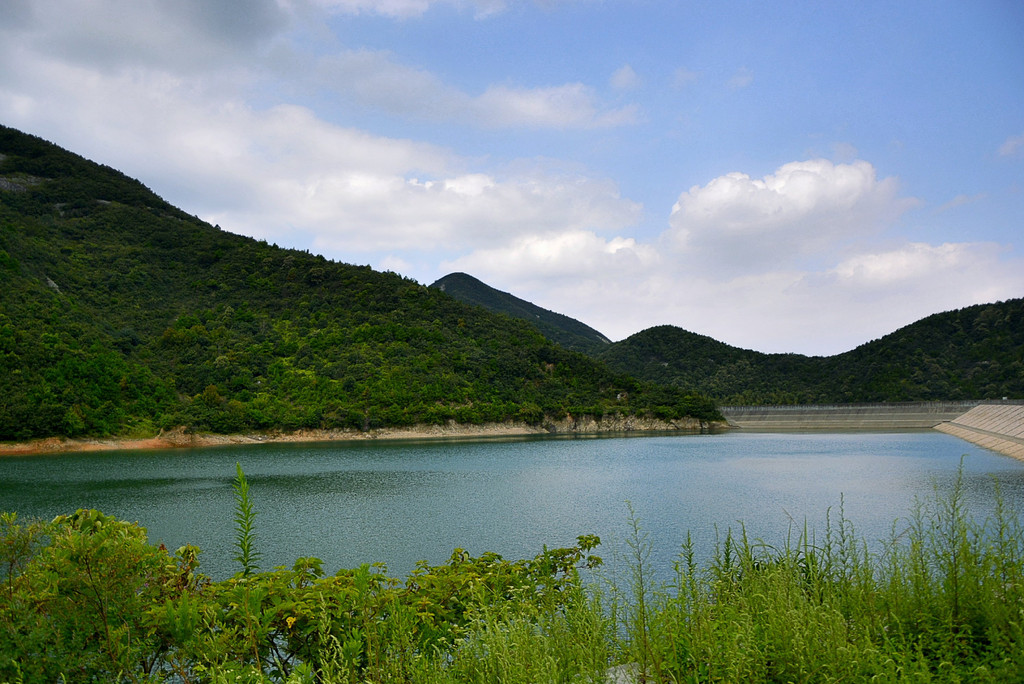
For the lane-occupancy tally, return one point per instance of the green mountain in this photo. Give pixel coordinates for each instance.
(972, 353)
(557, 327)
(122, 315)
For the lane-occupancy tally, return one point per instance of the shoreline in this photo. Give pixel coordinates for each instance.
(995, 426)
(179, 438)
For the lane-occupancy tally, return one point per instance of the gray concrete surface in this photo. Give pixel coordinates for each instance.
(882, 416)
(995, 425)
(999, 427)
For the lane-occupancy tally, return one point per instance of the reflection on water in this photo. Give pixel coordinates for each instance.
(400, 502)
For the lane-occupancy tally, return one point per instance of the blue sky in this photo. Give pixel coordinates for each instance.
(796, 177)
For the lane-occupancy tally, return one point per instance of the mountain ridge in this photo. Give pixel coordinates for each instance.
(975, 352)
(969, 353)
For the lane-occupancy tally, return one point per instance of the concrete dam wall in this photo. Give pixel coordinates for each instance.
(995, 425)
(921, 415)
(999, 427)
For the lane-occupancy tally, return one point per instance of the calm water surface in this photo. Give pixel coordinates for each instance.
(399, 502)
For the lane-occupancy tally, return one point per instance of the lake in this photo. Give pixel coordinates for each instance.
(401, 501)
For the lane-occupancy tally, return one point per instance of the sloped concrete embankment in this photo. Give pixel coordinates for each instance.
(868, 417)
(999, 427)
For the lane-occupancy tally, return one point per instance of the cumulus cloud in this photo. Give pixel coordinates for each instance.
(877, 291)
(906, 264)
(268, 171)
(563, 255)
(604, 281)
(739, 223)
(460, 212)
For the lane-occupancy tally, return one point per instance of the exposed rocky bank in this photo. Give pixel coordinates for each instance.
(181, 438)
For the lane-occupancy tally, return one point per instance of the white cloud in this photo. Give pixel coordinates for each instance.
(568, 106)
(377, 80)
(395, 264)
(355, 192)
(563, 256)
(604, 282)
(736, 223)
(624, 78)
(1012, 145)
(909, 263)
(266, 172)
(455, 212)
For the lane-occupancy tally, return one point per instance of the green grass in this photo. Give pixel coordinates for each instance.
(942, 600)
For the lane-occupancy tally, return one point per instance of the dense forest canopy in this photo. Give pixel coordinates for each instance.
(123, 315)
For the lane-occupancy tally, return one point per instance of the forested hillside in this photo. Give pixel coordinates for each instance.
(557, 327)
(122, 315)
(973, 353)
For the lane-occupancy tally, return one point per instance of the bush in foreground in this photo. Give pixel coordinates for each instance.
(87, 598)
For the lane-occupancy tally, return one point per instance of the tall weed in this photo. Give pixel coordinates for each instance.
(941, 601)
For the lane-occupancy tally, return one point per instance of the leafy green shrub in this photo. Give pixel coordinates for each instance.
(79, 606)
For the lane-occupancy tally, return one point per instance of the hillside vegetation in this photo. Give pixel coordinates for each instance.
(122, 315)
(972, 353)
